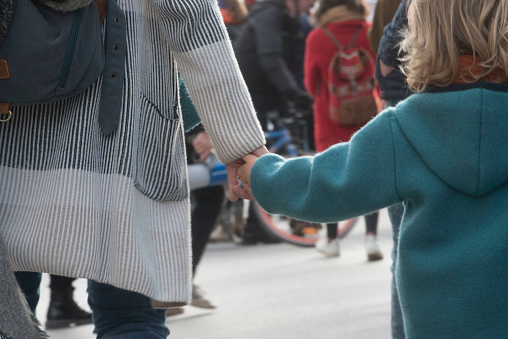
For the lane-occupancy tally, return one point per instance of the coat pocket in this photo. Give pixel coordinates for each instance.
(160, 169)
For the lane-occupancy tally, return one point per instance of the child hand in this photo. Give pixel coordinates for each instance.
(234, 189)
(244, 173)
(245, 169)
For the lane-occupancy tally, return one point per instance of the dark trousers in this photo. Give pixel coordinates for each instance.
(370, 222)
(59, 283)
(117, 314)
(207, 207)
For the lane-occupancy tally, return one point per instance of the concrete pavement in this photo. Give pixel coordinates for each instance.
(280, 291)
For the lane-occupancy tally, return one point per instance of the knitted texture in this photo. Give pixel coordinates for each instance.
(470, 66)
(16, 320)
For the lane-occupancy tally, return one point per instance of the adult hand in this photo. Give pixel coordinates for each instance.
(234, 189)
(202, 145)
(384, 68)
(244, 173)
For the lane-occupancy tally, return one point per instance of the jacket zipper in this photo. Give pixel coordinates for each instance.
(69, 55)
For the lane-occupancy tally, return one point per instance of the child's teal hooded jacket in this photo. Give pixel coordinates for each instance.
(445, 155)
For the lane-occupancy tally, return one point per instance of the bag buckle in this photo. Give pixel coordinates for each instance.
(5, 109)
(9, 116)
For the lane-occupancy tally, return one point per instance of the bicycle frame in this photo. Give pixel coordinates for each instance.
(282, 139)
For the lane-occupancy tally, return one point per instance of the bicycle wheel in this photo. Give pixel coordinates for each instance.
(297, 232)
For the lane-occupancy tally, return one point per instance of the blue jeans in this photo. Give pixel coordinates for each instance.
(120, 314)
(117, 314)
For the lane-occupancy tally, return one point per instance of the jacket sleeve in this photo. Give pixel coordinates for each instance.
(388, 46)
(347, 180)
(267, 26)
(197, 38)
(312, 77)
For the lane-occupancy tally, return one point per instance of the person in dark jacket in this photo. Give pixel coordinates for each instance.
(262, 50)
(391, 81)
(266, 50)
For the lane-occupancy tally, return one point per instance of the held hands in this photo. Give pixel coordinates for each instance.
(244, 173)
(242, 168)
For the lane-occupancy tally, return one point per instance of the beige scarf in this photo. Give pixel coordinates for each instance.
(338, 13)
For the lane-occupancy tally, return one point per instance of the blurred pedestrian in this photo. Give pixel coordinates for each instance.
(234, 13)
(265, 49)
(344, 21)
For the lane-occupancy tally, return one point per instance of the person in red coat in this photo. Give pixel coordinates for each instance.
(342, 18)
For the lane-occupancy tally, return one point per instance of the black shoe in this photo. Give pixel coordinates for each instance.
(248, 239)
(64, 312)
(253, 233)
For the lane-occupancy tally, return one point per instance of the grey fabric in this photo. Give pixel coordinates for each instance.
(17, 321)
(65, 5)
(107, 230)
(6, 12)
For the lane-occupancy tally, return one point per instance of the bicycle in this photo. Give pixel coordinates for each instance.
(291, 139)
(288, 138)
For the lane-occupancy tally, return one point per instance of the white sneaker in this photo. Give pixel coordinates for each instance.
(373, 251)
(329, 247)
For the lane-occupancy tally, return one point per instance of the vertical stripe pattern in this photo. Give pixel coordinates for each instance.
(115, 209)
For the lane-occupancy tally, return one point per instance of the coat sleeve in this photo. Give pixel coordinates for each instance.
(199, 43)
(347, 180)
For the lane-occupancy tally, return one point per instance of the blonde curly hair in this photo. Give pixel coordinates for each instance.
(441, 30)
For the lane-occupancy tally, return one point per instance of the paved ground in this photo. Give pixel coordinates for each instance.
(281, 291)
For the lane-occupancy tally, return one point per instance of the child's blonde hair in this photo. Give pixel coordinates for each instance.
(441, 30)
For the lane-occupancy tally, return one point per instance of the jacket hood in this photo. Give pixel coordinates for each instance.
(461, 133)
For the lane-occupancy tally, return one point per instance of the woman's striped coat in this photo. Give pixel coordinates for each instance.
(115, 209)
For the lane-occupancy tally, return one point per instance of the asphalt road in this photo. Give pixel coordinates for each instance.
(280, 291)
